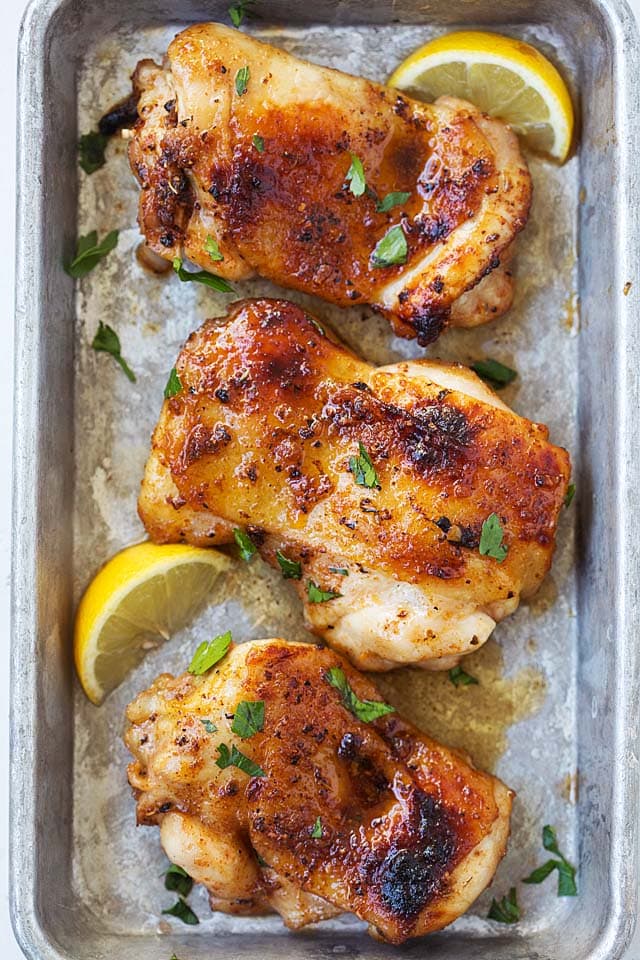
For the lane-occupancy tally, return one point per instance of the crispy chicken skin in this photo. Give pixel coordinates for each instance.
(261, 437)
(411, 833)
(283, 209)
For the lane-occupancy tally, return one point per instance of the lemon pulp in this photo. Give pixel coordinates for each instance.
(503, 77)
(141, 597)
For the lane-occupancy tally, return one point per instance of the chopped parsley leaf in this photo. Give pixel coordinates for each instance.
(505, 910)
(201, 276)
(316, 595)
(491, 538)
(248, 718)
(108, 341)
(355, 176)
(237, 759)
(239, 10)
(91, 148)
(291, 569)
(392, 200)
(391, 249)
(182, 911)
(245, 544)
(174, 385)
(365, 710)
(496, 374)
(178, 880)
(567, 886)
(209, 653)
(212, 248)
(242, 80)
(363, 470)
(459, 678)
(89, 253)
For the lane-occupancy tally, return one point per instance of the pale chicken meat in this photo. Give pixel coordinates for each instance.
(241, 143)
(369, 487)
(327, 812)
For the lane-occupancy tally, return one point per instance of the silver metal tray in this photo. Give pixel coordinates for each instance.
(556, 711)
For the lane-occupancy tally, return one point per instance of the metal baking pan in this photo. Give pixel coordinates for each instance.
(556, 711)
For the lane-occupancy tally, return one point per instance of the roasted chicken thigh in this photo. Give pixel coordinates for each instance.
(243, 143)
(369, 487)
(320, 811)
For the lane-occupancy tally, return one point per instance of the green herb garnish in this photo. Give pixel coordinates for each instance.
(316, 595)
(178, 880)
(363, 470)
(91, 148)
(183, 912)
(89, 253)
(212, 248)
(491, 544)
(108, 341)
(392, 200)
(238, 11)
(355, 176)
(316, 830)
(245, 544)
(391, 249)
(174, 385)
(570, 494)
(541, 873)
(242, 80)
(365, 710)
(237, 759)
(248, 718)
(343, 571)
(459, 678)
(201, 276)
(258, 143)
(567, 886)
(291, 569)
(209, 726)
(209, 653)
(495, 373)
(505, 910)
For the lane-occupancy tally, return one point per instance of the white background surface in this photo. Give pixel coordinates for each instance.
(12, 13)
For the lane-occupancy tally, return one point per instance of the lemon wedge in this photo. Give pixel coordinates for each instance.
(503, 77)
(139, 598)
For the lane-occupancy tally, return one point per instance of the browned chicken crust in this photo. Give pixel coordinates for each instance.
(264, 172)
(372, 818)
(262, 435)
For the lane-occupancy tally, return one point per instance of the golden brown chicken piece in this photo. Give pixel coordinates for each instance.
(272, 432)
(246, 144)
(341, 814)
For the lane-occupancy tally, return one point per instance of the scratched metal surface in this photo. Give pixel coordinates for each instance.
(114, 892)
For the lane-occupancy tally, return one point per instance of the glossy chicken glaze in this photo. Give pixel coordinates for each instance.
(261, 436)
(284, 208)
(411, 833)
